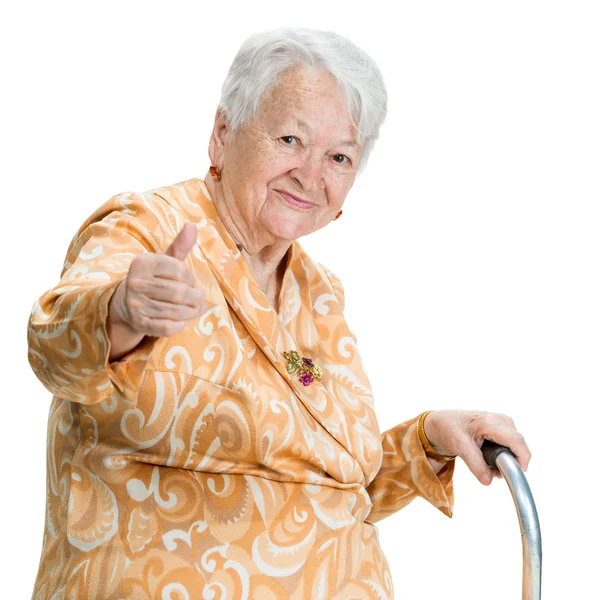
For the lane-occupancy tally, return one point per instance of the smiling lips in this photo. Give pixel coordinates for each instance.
(290, 199)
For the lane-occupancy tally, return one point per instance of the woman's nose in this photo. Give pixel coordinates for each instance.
(310, 174)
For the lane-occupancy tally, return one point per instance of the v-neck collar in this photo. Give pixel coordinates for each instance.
(242, 291)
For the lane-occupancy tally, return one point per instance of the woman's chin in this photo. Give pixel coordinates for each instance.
(288, 224)
(288, 228)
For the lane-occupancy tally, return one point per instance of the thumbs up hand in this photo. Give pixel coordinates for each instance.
(158, 296)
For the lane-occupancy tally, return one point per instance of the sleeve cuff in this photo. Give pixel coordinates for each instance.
(437, 489)
(124, 374)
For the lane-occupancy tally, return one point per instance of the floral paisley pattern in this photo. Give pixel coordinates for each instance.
(198, 466)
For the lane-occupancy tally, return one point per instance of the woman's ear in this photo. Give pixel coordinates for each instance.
(217, 141)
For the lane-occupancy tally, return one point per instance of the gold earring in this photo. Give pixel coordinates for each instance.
(215, 172)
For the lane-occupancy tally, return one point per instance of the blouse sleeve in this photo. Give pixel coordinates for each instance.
(68, 345)
(405, 472)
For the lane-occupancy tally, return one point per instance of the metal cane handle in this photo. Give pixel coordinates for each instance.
(502, 459)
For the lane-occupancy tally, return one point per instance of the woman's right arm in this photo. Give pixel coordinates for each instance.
(69, 342)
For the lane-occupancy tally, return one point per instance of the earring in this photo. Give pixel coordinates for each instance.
(338, 215)
(215, 172)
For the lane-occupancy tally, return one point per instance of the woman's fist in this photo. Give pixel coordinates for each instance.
(158, 297)
(462, 432)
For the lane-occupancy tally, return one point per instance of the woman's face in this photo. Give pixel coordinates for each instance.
(302, 142)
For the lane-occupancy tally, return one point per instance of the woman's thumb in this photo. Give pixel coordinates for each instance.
(183, 242)
(473, 456)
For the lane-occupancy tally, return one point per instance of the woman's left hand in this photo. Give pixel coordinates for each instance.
(462, 432)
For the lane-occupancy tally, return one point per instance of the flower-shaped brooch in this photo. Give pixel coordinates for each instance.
(305, 368)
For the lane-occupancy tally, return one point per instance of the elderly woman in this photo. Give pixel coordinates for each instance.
(212, 431)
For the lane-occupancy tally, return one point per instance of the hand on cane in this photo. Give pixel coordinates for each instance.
(462, 432)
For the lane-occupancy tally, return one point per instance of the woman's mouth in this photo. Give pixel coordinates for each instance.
(297, 203)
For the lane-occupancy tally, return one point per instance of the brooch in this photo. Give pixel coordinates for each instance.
(306, 369)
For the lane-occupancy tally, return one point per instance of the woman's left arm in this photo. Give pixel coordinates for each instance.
(407, 472)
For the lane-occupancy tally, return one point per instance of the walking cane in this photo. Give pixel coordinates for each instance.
(503, 460)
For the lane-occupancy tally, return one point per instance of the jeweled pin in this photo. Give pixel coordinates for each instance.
(305, 367)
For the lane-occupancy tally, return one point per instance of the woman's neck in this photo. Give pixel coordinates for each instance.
(267, 262)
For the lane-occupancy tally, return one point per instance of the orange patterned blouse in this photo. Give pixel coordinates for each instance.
(198, 465)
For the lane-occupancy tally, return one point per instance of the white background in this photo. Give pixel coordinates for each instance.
(466, 248)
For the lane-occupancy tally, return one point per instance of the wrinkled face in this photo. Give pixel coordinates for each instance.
(302, 142)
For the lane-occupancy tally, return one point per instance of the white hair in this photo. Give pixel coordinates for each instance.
(264, 56)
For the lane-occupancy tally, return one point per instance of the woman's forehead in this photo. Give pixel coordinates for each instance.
(309, 101)
(302, 87)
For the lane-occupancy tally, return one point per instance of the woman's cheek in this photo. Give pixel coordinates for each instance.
(280, 164)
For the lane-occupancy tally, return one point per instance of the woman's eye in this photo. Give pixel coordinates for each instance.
(344, 158)
(285, 138)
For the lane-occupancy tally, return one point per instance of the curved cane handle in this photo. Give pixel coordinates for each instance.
(501, 458)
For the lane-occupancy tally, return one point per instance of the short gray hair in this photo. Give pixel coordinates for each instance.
(264, 56)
